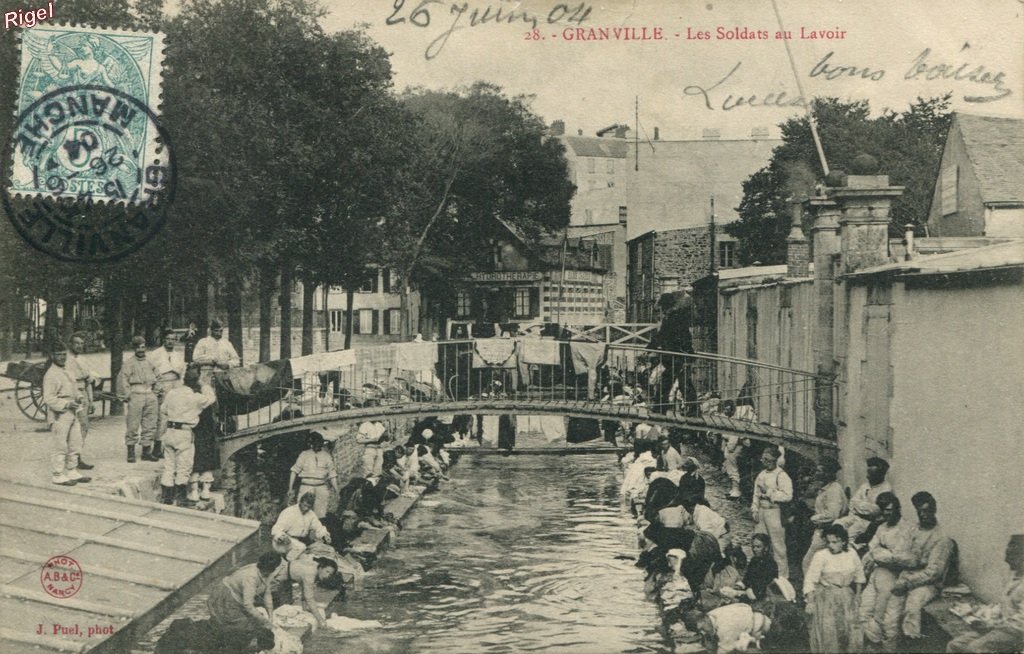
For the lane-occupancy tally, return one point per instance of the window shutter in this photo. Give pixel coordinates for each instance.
(376, 322)
(354, 317)
(375, 277)
(534, 302)
(386, 278)
(387, 319)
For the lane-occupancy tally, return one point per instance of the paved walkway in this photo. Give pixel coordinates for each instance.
(25, 454)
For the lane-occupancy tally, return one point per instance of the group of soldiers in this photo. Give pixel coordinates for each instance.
(166, 395)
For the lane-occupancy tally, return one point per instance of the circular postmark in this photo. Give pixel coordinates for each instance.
(61, 577)
(91, 176)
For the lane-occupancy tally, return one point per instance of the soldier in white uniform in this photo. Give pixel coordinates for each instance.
(170, 370)
(63, 399)
(214, 352)
(772, 488)
(85, 378)
(316, 473)
(179, 413)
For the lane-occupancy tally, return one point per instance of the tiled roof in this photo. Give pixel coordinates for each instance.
(590, 146)
(995, 147)
(1003, 255)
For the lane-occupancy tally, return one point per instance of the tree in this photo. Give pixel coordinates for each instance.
(908, 146)
(474, 155)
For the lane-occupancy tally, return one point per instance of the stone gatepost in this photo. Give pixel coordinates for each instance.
(862, 409)
(825, 241)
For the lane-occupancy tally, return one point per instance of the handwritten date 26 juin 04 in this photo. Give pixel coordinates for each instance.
(461, 15)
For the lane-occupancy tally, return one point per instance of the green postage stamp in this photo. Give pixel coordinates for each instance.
(87, 127)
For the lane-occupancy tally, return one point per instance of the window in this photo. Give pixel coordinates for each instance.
(387, 282)
(337, 320)
(365, 321)
(392, 321)
(462, 304)
(622, 215)
(726, 254)
(522, 302)
(950, 180)
(589, 213)
(609, 166)
(369, 283)
(591, 165)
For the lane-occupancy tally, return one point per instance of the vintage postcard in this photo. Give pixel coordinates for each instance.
(505, 326)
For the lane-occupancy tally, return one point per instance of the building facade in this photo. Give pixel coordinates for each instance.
(980, 189)
(553, 279)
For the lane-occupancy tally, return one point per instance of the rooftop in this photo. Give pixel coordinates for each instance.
(1002, 255)
(995, 147)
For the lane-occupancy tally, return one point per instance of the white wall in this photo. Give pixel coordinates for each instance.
(957, 416)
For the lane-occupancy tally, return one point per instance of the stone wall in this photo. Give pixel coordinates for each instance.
(671, 260)
(255, 480)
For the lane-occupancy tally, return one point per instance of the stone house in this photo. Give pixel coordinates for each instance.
(980, 189)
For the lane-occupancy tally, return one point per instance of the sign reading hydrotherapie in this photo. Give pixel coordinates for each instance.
(86, 106)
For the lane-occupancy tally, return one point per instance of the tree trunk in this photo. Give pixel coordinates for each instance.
(406, 318)
(286, 312)
(67, 326)
(234, 301)
(52, 331)
(350, 299)
(268, 277)
(308, 296)
(114, 318)
(201, 311)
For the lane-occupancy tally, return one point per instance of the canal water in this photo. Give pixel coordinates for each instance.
(515, 554)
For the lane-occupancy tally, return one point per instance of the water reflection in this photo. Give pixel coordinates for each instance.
(517, 554)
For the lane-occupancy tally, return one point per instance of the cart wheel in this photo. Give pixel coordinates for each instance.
(29, 398)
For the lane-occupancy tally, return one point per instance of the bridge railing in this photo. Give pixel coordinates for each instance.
(535, 371)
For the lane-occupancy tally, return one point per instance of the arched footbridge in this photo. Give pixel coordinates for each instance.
(576, 379)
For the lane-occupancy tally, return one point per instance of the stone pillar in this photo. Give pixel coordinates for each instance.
(825, 235)
(865, 202)
(797, 253)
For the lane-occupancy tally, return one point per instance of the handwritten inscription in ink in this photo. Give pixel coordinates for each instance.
(465, 15)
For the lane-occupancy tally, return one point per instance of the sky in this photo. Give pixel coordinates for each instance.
(881, 50)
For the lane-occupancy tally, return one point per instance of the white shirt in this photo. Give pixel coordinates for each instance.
(297, 524)
(182, 404)
(706, 519)
(634, 483)
(866, 496)
(215, 351)
(59, 388)
(839, 570)
(167, 362)
(770, 488)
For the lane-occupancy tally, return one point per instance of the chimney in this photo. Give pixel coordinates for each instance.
(557, 128)
(711, 133)
(908, 237)
(579, 132)
(657, 134)
(620, 131)
(797, 249)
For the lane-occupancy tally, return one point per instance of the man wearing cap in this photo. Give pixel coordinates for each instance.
(889, 541)
(179, 413)
(84, 378)
(923, 567)
(215, 352)
(772, 488)
(867, 495)
(135, 388)
(829, 506)
(170, 371)
(63, 399)
(316, 474)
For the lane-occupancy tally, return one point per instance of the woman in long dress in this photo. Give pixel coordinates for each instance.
(832, 588)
